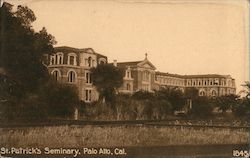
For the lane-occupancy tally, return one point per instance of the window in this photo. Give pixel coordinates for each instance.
(128, 73)
(52, 60)
(89, 61)
(56, 75)
(88, 95)
(102, 61)
(59, 58)
(71, 59)
(213, 93)
(88, 77)
(71, 77)
(128, 87)
(202, 93)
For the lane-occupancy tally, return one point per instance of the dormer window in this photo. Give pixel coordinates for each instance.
(71, 59)
(59, 58)
(52, 59)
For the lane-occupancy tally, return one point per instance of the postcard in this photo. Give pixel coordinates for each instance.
(124, 78)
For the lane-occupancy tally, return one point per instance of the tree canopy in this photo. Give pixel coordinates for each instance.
(107, 78)
(22, 48)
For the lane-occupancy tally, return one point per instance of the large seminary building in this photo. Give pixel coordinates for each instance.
(72, 65)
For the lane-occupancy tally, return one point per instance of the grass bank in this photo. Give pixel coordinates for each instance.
(119, 135)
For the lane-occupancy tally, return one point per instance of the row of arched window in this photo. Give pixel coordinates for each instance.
(203, 93)
(208, 82)
(57, 59)
(71, 75)
(215, 93)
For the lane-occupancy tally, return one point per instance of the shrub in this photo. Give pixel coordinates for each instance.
(242, 109)
(202, 107)
(60, 100)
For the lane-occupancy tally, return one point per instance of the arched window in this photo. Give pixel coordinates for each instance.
(214, 93)
(71, 77)
(59, 58)
(52, 59)
(71, 59)
(56, 74)
(102, 61)
(202, 93)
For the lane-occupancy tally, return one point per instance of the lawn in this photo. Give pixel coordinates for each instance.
(119, 135)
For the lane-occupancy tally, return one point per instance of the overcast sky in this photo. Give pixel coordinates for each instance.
(182, 37)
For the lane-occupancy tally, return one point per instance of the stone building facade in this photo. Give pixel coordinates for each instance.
(141, 75)
(72, 66)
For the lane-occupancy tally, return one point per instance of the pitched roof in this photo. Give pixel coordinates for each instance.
(125, 64)
(77, 50)
(168, 74)
(66, 48)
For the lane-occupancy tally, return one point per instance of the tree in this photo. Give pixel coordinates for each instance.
(107, 78)
(58, 99)
(242, 108)
(22, 48)
(173, 95)
(247, 86)
(226, 102)
(202, 107)
(143, 95)
(190, 94)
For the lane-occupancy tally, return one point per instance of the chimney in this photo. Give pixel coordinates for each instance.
(115, 63)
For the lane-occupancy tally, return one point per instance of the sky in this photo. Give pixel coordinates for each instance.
(179, 36)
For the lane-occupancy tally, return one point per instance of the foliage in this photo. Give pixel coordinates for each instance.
(191, 93)
(22, 48)
(247, 86)
(173, 95)
(59, 99)
(142, 95)
(107, 78)
(226, 102)
(242, 109)
(202, 107)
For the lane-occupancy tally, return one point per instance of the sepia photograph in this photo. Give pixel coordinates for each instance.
(124, 78)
